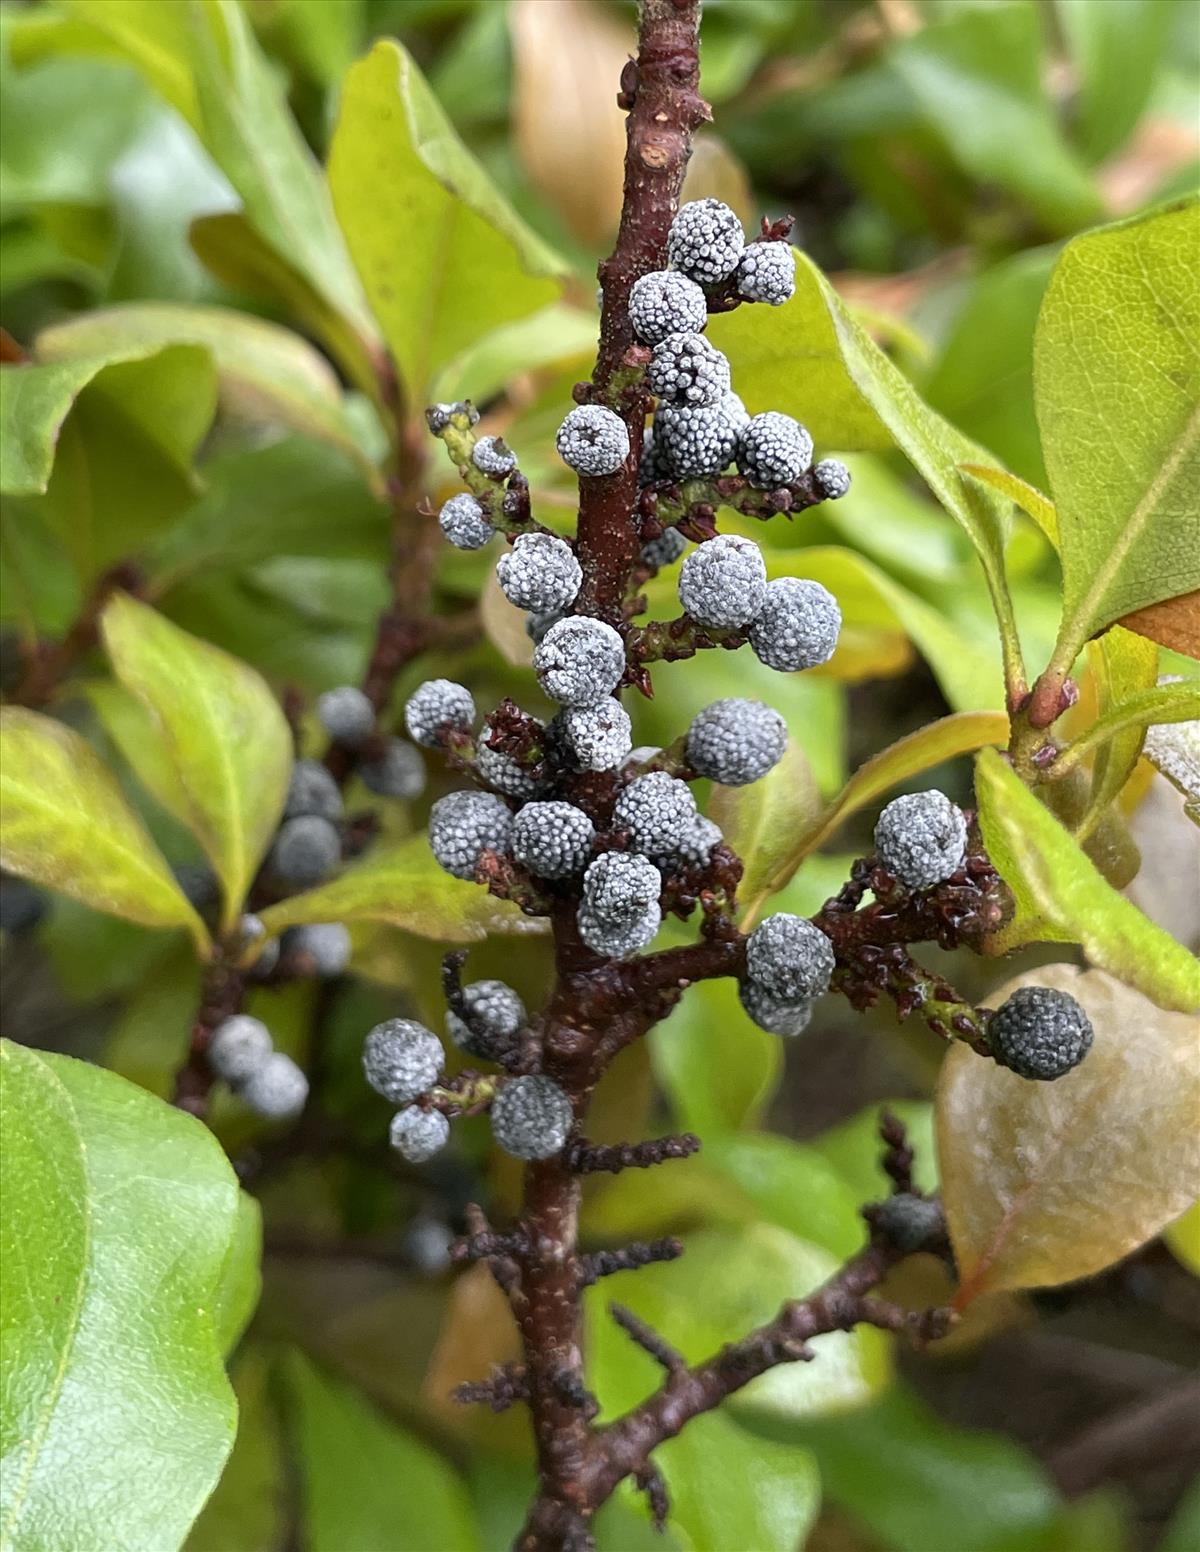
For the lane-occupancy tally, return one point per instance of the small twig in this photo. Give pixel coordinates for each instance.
(506, 1385)
(898, 1154)
(586, 1158)
(606, 1263)
(647, 1338)
(650, 1480)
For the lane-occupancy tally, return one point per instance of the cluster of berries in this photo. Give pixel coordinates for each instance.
(242, 1052)
(531, 1116)
(387, 766)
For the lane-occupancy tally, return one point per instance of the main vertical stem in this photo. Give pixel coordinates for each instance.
(660, 93)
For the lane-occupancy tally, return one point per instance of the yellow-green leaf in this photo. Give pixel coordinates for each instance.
(442, 255)
(1026, 496)
(1067, 900)
(1123, 664)
(1047, 1182)
(228, 740)
(1117, 384)
(760, 822)
(66, 825)
(402, 884)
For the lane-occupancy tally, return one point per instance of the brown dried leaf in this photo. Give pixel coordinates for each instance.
(569, 131)
(1174, 623)
(1047, 1182)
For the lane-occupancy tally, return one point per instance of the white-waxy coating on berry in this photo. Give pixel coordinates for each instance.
(250, 930)
(312, 790)
(686, 369)
(617, 940)
(238, 1045)
(600, 736)
(276, 1088)
(831, 478)
(532, 1117)
(773, 450)
(908, 1221)
(658, 810)
(620, 886)
(774, 1014)
(767, 273)
(666, 302)
(497, 1015)
(789, 958)
(697, 846)
(401, 1059)
(921, 838)
(664, 550)
(552, 840)
(699, 440)
(399, 772)
(463, 825)
(723, 582)
(304, 850)
(736, 741)
(540, 573)
(438, 705)
(491, 455)
(593, 440)
(579, 661)
(536, 625)
(1040, 1033)
(325, 944)
(501, 771)
(798, 625)
(418, 1134)
(705, 241)
(439, 416)
(653, 468)
(346, 714)
(464, 522)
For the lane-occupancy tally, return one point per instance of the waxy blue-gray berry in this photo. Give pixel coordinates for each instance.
(666, 302)
(464, 522)
(322, 948)
(909, 1221)
(501, 771)
(579, 661)
(277, 1088)
(312, 790)
(593, 441)
(598, 737)
(831, 478)
(497, 1016)
(346, 714)
(766, 272)
(687, 369)
(617, 939)
(773, 450)
(668, 547)
(705, 241)
(304, 850)
(401, 1059)
(539, 573)
(1040, 1033)
(238, 1045)
(437, 707)
(620, 886)
(775, 1014)
(699, 440)
(789, 958)
(532, 1117)
(397, 772)
(658, 810)
(491, 455)
(797, 626)
(723, 582)
(553, 839)
(418, 1134)
(463, 825)
(921, 838)
(696, 848)
(736, 741)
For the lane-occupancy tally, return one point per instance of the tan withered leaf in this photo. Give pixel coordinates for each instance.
(1174, 623)
(1047, 1182)
(569, 131)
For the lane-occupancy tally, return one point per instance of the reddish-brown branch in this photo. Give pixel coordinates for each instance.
(221, 992)
(50, 663)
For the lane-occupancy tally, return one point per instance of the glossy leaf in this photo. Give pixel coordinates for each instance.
(442, 256)
(718, 1068)
(240, 1282)
(556, 333)
(116, 1414)
(353, 1460)
(402, 884)
(760, 822)
(246, 1511)
(67, 826)
(1067, 900)
(229, 742)
(791, 1185)
(264, 372)
(1117, 380)
(1027, 497)
(1044, 1183)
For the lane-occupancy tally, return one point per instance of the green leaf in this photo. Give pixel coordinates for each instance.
(1044, 1183)
(131, 727)
(1066, 897)
(402, 884)
(116, 1414)
(1116, 49)
(760, 822)
(241, 1276)
(791, 1185)
(264, 372)
(354, 1462)
(718, 1068)
(442, 256)
(1172, 703)
(1183, 1533)
(1117, 379)
(1027, 497)
(228, 740)
(556, 333)
(66, 825)
(246, 1510)
(977, 76)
